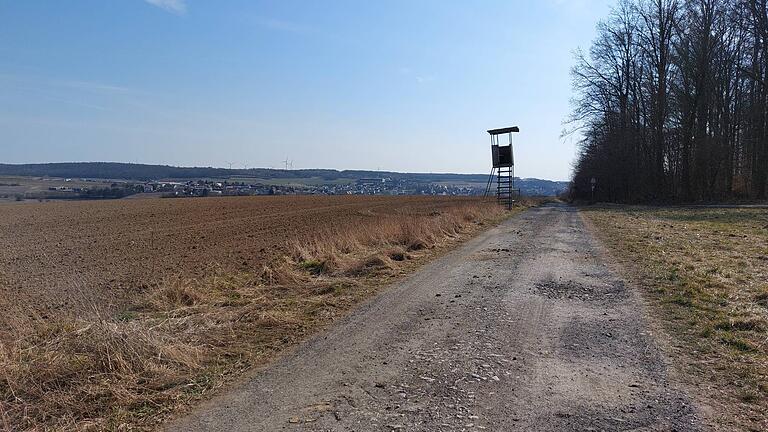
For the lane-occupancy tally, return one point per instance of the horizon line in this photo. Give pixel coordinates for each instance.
(265, 168)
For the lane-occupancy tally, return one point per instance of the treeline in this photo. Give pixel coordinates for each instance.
(130, 171)
(672, 103)
(143, 172)
(116, 191)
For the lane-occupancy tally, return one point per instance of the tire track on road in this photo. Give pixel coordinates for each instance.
(523, 328)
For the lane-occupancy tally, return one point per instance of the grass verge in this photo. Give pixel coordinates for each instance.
(184, 338)
(705, 271)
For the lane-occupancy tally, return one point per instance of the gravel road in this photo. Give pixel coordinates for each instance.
(523, 328)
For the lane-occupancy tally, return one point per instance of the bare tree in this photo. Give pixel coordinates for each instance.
(673, 103)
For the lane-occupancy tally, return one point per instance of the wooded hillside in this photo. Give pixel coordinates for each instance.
(673, 104)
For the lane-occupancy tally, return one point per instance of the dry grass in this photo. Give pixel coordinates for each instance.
(184, 338)
(706, 271)
(371, 246)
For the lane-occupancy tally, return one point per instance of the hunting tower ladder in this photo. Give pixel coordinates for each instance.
(503, 168)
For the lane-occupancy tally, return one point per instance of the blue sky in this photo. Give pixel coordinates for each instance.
(403, 85)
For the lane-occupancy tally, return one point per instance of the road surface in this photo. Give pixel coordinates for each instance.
(524, 328)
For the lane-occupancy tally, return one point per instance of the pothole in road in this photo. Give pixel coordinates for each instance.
(570, 290)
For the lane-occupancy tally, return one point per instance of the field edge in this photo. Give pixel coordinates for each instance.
(189, 338)
(697, 363)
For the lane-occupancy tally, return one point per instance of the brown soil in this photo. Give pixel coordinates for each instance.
(67, 258)
(116, 314)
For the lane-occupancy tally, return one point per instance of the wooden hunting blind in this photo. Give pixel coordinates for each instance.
(503, 167)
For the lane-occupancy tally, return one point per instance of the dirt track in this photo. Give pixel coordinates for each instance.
(523, 328)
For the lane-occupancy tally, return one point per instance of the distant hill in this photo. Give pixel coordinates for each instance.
(141, 172)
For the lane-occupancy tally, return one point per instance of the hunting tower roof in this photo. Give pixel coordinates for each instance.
(504, 130)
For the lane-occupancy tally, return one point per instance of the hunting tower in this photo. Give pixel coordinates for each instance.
(503, 167)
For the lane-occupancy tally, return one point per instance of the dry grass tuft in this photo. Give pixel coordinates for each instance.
(397, 253)
(762, 298)
(367, 248)
(370, 265)
(65, 372)
(187, 336)
(174, 293)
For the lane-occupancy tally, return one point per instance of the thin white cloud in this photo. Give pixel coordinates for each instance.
(96, 87)
(178, 7)
(406, 71)
(75, 102)
(33, 81)
(282, 25)
(85, 94)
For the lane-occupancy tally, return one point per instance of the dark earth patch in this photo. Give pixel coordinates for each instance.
(613, 291)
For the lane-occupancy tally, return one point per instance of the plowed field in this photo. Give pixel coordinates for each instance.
(68, 257)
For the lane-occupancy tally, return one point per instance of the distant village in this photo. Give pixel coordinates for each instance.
(209, 188)
(364, 186)
(110, 180)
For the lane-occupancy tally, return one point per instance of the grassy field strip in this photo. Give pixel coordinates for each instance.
(188, 336)
(706, 272)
